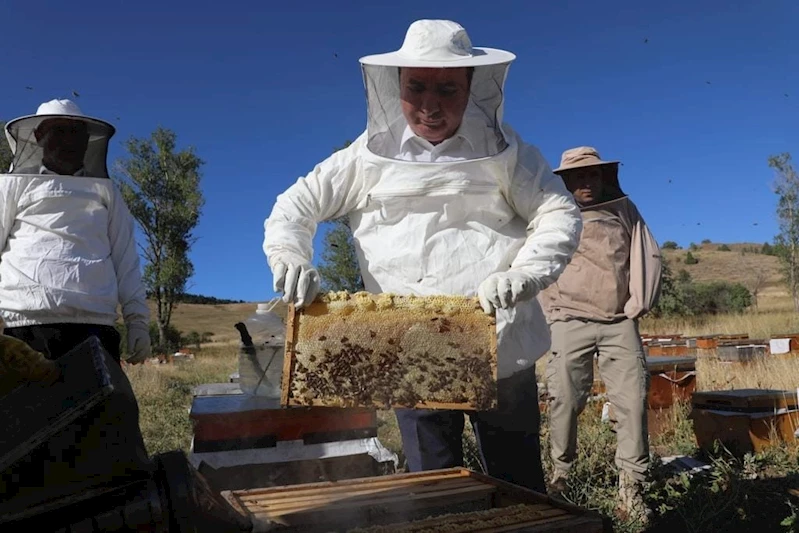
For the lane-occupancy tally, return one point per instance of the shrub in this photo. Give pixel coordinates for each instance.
(670, 245)
(690, 259)
(724, 248)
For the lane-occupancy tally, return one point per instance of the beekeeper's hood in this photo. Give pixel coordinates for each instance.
(29, 153)
(434, 44)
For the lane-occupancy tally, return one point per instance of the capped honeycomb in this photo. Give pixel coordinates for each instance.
(385, 350)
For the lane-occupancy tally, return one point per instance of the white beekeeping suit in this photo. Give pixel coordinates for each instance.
(67, 248)
(488, 219)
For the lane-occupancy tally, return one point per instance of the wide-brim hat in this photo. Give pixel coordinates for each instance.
(438, 44)
(581, 157)
(24, 126)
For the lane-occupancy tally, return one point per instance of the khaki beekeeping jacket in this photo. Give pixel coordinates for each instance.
(616, 271)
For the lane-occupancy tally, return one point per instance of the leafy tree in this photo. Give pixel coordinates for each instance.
(706, 241)
(339, 269)
(172, 338)
(161, 187)
(786, 186)
(693, 247)
(5, 150)
(724, 248)
(681, 296)
(690, 259)
(767, 249)
(670, 245)
(671, 301)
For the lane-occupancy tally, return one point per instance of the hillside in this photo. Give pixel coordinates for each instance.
(746, 268)
(736, 265)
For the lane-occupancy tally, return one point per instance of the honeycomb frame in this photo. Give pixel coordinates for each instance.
(388, 351)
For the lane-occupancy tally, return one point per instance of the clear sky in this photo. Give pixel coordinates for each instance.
(692, 97)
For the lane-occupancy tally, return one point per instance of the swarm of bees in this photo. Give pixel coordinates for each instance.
(393, 351)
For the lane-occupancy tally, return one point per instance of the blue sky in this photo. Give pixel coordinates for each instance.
(265, 90)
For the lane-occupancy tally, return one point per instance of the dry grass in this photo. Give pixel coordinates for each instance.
(164, 393)
(728, 266)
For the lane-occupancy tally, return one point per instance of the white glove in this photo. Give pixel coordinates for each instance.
(503, 290)
(297, 279)
(139, 349)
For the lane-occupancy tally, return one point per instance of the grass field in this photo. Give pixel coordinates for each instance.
(749, 492)
(742, 494)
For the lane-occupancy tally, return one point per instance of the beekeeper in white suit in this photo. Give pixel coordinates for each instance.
(443, 198)
(68, 258)
(68, 255)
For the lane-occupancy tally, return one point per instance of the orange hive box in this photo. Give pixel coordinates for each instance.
(451, 500)
(436, 352)
(240, 421)
(671, 379)
(744, 420)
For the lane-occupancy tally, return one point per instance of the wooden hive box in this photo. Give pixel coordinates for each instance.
(744, 420)
(671, 379)
(240, 421)
(451, 500)
(365, 350)
(793, 337)
(742, 351)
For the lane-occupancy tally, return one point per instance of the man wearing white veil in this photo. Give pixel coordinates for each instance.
(443, 198)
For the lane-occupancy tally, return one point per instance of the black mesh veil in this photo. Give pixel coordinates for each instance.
(28, 154)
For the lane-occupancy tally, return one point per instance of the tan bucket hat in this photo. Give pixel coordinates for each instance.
(582, 156)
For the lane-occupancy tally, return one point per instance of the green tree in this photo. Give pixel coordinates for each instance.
(5, 150)
(339, 268)
(724, 248)
(670, 245)
(767, 249)
(786, 186)
(671, 302)
(161, 187)
(690, 259)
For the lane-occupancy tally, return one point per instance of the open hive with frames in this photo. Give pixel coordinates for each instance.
(385, 350)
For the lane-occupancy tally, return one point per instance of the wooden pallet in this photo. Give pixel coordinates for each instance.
(441, 332)
(429, 501)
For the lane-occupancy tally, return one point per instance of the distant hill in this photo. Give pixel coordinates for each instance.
(740, 264)
(205, 314)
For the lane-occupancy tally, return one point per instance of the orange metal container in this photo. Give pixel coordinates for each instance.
(239, 421)
(745, 420)
(671, 379)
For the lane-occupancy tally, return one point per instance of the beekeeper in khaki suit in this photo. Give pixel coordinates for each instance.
(593, 309)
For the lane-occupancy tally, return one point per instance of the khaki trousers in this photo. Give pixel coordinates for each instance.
(623, 369)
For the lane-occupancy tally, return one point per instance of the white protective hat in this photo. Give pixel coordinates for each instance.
(436, 44)
(27, 153)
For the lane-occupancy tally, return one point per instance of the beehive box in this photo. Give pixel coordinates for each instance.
(745, 420)
(741, 351)
(793, 340)
(670, 349)
(362, 350)
(671, 379)
(451, 500)
(241, 421)
(710, 342)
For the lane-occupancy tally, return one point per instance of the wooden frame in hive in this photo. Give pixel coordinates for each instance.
(448, 500)
(386, 351)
